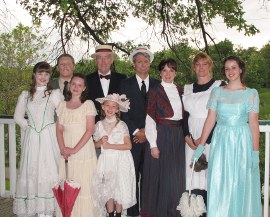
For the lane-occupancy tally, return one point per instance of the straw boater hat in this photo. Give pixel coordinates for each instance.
(105, 48)
(141, 50)
(121, 100)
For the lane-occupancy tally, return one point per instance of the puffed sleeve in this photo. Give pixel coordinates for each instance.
(20, 110)
(59, 108)
(90, 108)
(57, 97)
(124, 128)
(212, 102)
(97, 133)
(253, 101)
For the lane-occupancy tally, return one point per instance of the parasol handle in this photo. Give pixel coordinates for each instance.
(191, 176)
(66, 168)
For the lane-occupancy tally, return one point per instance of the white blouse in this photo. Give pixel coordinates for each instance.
(150, 124)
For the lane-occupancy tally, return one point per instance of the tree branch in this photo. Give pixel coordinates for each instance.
(92, 32)
(199, 10)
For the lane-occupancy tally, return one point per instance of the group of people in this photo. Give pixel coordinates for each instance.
(129, 142)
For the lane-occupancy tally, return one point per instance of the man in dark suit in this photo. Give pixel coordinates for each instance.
(104, 81)
(65, 67)
(136, 88)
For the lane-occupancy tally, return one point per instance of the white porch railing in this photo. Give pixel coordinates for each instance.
(11, 138)
(265, 128)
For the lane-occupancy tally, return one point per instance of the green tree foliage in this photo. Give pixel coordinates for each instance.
(265, 52)
(218, 53)
(94, 20)
(256, 67)
(19, 52)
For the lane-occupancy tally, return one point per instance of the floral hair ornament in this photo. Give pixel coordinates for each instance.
(121, 100)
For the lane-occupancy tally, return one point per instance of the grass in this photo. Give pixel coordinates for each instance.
(7, 184)
(264, 94)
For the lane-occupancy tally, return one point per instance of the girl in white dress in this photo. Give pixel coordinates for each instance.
(75, 126)
(114, 180)
(40, 153)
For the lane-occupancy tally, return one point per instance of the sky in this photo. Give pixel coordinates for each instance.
(256, 14)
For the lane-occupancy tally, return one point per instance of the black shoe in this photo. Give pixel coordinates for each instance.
(118, 214)
(111, 214)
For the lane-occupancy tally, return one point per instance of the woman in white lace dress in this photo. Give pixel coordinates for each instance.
(114, 180)
(40, 153)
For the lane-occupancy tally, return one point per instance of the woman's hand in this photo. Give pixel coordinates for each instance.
(63, 153)
(69, 151)
(197, 141)
(104, 139)
(155, 152)
(106, 145)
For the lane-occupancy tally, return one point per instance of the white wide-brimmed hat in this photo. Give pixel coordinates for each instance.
(141, 49)
(105, 48)
(121, 100)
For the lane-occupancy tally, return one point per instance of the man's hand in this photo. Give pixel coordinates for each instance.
(140, 136)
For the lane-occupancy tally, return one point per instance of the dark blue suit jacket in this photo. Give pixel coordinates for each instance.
(95, 88)
(135, 117)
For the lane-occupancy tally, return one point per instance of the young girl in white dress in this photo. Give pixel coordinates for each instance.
(40, 152)
(114, 180)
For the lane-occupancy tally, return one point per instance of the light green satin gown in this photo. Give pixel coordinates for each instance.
(233, 181)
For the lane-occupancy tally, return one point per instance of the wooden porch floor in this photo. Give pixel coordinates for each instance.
(6, 207)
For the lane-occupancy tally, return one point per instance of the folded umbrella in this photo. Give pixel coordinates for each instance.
(191, 205)
(66, 192)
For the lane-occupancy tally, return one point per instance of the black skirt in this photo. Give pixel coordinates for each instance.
(164, 178)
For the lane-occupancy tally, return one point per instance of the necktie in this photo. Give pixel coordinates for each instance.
(65, 88)
(143, 89)
(105, 76)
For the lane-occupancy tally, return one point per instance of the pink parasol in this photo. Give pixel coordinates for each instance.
(66, 192)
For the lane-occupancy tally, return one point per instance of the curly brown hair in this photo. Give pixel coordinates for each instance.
(40, 67)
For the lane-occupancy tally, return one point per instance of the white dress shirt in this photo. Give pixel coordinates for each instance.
(105, 83)
(146, 81)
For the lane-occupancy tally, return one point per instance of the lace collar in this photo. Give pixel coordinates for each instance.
(110, 120)
(41, 88)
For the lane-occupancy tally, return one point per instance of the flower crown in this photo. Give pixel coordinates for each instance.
(121, 100)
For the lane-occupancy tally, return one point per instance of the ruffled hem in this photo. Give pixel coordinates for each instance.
(191, 206)
(103, 188)
(30, 207)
